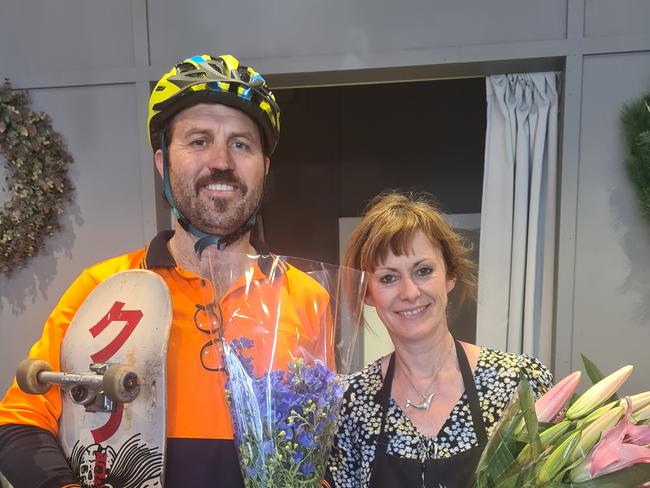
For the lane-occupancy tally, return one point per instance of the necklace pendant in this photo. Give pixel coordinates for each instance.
(420, 406)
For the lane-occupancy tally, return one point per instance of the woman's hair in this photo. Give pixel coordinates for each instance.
(390, 223)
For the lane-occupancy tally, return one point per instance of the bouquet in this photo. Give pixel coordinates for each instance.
(564, 440)
(283, 330)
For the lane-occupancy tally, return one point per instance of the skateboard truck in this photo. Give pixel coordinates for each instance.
(100, 390)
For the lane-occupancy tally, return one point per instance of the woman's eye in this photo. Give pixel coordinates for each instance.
(387, 279)
(424, 271)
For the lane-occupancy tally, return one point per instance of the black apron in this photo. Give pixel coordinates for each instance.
(390, 471)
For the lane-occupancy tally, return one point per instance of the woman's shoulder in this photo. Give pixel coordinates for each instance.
(507, 365)
(368, 379)
(361, 393)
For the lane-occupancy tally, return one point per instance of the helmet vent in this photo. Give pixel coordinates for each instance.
(217, 66)
(183, 67)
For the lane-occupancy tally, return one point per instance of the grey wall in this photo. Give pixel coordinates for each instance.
(603, 273)
(611, 306)
(89, 64)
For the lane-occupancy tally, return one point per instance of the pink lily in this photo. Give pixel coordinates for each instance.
(617, 449)
(550, 403)
(638, 434)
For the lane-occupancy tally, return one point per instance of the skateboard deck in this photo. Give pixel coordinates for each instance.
(125, 320)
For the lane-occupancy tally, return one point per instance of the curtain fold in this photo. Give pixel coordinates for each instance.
(518, 214)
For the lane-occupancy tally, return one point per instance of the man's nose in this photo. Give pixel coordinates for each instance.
(220, 157)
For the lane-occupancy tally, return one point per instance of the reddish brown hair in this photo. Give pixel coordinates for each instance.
(390, 223)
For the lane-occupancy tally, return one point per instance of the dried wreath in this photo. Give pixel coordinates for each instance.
(37, 181)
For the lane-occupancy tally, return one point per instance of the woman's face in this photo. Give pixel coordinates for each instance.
(410, 291)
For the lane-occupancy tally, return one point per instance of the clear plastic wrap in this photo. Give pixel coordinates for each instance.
(283, 330)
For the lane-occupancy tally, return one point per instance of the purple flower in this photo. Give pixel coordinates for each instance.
(306, 440)
(307, 468)
(283, 419)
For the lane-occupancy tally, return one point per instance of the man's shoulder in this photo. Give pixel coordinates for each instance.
(305, 282)
(103, 269)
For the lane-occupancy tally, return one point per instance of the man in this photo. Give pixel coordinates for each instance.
(213, 125)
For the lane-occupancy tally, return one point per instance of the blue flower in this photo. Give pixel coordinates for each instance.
(283, 419)
(307, 468)
(306, 440)
(268, 447)
(298, 456)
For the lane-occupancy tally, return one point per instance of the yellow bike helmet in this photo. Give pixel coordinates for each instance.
(204, 79)
(207, 79)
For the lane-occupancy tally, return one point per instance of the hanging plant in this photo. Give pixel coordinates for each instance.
(37, 181)
(636, 125)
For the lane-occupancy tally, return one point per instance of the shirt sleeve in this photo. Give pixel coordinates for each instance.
(538, 375)
(344, 469)
(30, 457)
(43, 411)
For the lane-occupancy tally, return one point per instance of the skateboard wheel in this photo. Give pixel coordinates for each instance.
(27, 376)
(121, 383)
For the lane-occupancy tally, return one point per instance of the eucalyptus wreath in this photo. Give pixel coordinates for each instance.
(636, 126)
(37, 181)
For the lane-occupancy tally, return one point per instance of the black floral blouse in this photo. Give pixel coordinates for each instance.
(496, 378)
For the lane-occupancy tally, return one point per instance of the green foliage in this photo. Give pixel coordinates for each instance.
(594, 374)
(636, 125)
(37, 181)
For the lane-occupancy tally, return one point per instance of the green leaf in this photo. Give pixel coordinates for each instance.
(630, 477)
(595, 375)
(502, 448)
(527, 405)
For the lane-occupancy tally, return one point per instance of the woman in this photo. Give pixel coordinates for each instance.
(421, 416)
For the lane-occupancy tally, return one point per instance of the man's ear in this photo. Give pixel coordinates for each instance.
(267, 164)
(158, 156)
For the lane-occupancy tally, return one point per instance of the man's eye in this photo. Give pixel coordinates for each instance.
(199, 142)
(239, 145)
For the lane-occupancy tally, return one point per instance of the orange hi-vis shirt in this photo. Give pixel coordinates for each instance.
(199, 427)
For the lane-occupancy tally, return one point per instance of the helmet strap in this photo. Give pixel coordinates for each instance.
(204, 239)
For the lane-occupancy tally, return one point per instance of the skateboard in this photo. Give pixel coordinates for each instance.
(112, 381)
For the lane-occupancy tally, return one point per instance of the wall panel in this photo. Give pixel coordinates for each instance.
(612, 274)
(309, 28)
(619, 18)
(104, 219)
(40, 36)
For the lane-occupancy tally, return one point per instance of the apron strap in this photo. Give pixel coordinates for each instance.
(383, 397)
(472, 395)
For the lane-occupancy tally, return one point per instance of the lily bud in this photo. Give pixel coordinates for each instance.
(638, 401)
(595, 430)
(598, 393)
(558, 458)
(599, 412)
(613, 452)
(642, 415)
(550, 403)
(547, 438)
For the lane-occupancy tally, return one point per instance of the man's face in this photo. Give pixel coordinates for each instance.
(216, 166)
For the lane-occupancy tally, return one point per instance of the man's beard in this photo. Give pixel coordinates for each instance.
(220, 216)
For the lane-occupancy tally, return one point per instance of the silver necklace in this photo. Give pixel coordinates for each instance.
(426, 403)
